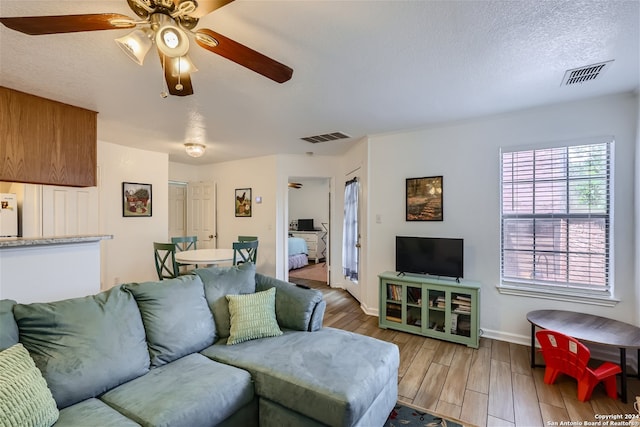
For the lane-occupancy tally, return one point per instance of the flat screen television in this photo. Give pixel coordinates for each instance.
(305, 225)
(430, 255)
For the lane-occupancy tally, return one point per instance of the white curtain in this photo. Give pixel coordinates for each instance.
(350, 231)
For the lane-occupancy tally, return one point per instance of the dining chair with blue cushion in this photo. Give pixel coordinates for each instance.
(165, 258)
(245, 252)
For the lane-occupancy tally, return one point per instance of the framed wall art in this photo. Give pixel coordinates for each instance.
(243, 202)
(424, 199)
(136, 199)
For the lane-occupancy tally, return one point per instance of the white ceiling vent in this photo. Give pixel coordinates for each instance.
(326, 137)
(585, 74)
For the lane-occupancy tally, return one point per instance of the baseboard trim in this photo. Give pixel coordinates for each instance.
(598, 352)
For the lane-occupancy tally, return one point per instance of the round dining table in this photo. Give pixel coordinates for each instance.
(204, 256)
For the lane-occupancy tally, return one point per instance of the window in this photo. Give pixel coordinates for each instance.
(556, 219)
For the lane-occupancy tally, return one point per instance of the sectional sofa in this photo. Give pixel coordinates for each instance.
(223, 346)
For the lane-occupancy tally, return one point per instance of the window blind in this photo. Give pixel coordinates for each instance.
(555, 217)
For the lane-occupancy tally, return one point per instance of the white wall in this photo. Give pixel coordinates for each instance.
(310, 201)
(129, 256)
(637, 214)
(181, 172)
(467, 155)
(259, 174)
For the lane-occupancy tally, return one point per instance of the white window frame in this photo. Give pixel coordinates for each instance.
(563, 292)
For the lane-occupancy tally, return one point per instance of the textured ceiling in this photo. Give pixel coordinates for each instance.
(360, 67)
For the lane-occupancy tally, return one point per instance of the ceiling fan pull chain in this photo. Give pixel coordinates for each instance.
(163, 93)
(179, 85)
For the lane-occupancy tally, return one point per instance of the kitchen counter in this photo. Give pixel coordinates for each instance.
(45, 269)
(16, 242)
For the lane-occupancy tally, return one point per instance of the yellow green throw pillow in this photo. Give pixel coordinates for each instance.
(25, 399)
(253, 316)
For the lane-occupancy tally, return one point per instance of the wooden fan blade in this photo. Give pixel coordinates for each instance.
(39, 25)
(247, 57)
(170, 64)
(205, 7)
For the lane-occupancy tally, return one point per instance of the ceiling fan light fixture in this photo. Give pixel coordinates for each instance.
(194, 150)
(172, 41)
(136, 45)
(182, 65)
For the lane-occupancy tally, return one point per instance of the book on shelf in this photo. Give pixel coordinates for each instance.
(394, 292)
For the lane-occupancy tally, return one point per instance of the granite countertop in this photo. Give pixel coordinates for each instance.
(17, 242)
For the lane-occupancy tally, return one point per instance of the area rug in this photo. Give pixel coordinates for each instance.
(311, 272)
(406, 416)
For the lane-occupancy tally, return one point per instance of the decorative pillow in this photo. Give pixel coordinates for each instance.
(221, 281)
(176, 317)
(24, 397)
(253, 316)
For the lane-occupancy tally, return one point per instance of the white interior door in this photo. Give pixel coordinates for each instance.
(69, 211)
(177, 209)
(351, 284)
(201, 213)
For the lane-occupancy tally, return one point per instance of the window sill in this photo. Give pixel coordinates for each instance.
(603, 300)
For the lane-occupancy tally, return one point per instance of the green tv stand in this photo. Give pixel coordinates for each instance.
(430, 306)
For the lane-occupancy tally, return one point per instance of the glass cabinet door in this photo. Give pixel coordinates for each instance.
(461, 307)
(414, 306)
(437, 308)
(394, 303)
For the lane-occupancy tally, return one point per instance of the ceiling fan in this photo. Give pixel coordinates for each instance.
(167, 24)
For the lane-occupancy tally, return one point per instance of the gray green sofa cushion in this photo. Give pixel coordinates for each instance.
(296, 308)
(222, 281)
(8, 326)
(85, 346)
(93, 412)
(191, 391)
(176, 317)
(329, 375)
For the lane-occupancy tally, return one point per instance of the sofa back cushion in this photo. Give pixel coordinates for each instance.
(222, 281)
(296, 308)
(85, 346)
(176, 317)
(8, 326)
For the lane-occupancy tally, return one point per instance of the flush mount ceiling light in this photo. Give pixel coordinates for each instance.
(194, 150)
(168, 24)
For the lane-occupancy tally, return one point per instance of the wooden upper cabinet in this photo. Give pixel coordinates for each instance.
(46, 142)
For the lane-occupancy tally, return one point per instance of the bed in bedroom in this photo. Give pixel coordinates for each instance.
(297, 253)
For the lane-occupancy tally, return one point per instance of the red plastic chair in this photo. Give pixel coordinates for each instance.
(564, 354)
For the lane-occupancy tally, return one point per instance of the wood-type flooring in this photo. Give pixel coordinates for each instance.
(493, 385)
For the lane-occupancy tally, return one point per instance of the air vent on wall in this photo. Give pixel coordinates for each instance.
(585, 74)
(326, 137)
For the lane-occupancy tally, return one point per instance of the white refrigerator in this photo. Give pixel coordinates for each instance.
(8, 215)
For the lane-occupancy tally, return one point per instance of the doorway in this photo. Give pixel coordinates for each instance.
(309, 208)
